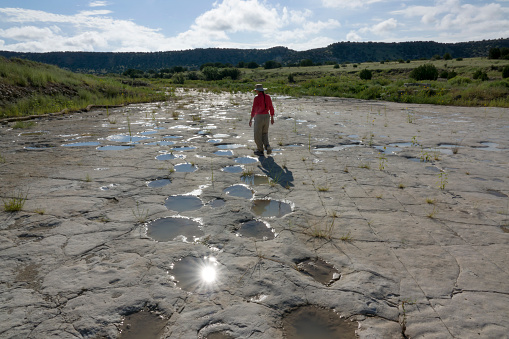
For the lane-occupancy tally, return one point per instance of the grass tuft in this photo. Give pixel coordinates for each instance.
(16, 203)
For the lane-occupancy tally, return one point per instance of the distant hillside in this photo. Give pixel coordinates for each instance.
(110, 62)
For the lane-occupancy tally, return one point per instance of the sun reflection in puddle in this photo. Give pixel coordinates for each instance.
(194, 274)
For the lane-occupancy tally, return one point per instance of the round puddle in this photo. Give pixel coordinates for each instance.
(38, 147)
(255, 180)
(160, 143)
(332, 148)
(174, 229)
(319, 270)
(317, 323)
(169, 156)
(229, 146)
(218, 335)
(182, 203)
(216, 203)
(184, 148)
(224, 153)
(256, 229)
(143, 324)
(126, 138)
(489, 146)
(186, 168)
(195, 274)
(82, 144)
(388, 149)
(233, 169)
(270, 208)
(113, 148)
(240, 191)
(158, 183)
(400, 144)
(148, 132)
(246, 160)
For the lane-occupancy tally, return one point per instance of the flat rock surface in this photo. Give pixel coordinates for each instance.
(394, 216)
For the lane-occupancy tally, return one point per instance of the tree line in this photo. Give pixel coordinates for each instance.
(342, 52)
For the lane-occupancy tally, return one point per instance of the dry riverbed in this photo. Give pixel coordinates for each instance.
(370, 219)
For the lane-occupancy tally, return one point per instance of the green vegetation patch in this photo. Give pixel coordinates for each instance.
(463, 82)
(32, 88)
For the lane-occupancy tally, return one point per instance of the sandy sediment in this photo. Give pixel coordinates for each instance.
(395, 216)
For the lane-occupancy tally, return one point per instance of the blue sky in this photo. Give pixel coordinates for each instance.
(165, 25)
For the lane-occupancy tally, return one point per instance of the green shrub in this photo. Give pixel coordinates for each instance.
(336, 66)
(193, 75)
(233, 73)
(365, 74)
(505, 72)
(494, 53)
(290, 78)
(447, 56)
(444, 74)
(371, 93)
(306, 63)
(252, 65)
(424, 72)
(459, 80)
(451, 74)
(271, 64)
(459, 59)
(480, 75)
(178, 78)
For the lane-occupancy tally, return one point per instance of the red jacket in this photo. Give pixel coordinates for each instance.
(262, 104)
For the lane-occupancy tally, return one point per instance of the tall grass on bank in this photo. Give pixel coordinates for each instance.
(390, 82)
(473, 93)
(31, 88)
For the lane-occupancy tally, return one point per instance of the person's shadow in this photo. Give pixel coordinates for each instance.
(283, 177)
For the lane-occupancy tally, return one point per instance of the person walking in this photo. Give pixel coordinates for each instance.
(262, 112)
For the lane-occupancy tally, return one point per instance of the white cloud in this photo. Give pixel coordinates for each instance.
(291, 28)
(97, 4)
(97, 12)
(85, 31)
(453, 20)
(96, 30)
(347, 3)
(382, 28)
(353, 36)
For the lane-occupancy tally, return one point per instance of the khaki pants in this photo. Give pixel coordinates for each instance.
(261, 131)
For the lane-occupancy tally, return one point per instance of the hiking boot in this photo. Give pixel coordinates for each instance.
(269, 150)
(259, 153)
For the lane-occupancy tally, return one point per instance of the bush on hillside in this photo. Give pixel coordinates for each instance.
(365, 74)
(271, 64)
(480, 75)
(306, 63)
(424, 72)
(252, 65)
(505, 72)
(494, 53)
